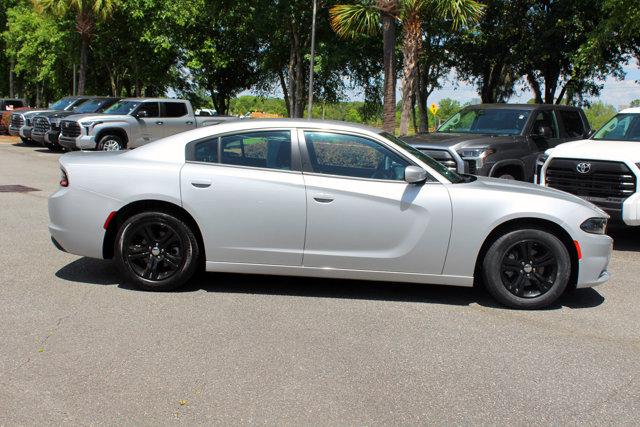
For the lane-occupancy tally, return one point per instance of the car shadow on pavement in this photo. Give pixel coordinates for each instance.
(625, 238)
(100, 272)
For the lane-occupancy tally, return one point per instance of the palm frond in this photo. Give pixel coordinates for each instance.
(461, 12)
(352, 20)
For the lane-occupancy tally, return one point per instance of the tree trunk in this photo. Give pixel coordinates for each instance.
(411, 44)
(421, 98)
(535, 87)
(12, 64)
(82, 78)
(285, 92)
(389, 42)
(414, 119)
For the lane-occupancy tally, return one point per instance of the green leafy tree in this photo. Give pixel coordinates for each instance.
(598, 113)
(87, 13)
(635, 103)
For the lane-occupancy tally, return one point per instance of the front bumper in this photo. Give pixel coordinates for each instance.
(596, 254)
(14, 131)
(51, 137)
(82, 142)
(37, 137)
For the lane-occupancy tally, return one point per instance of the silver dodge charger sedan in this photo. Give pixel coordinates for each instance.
(323, 199)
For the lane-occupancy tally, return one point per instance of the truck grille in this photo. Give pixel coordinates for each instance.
(70, 128)
(17, 120)
(41, 125)
(605, 184)
(442, 156)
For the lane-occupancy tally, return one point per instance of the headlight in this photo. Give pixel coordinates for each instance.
(90, 124)
(595, 226)
(476, 153)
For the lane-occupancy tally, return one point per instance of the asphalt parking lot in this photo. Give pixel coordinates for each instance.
(80, 347)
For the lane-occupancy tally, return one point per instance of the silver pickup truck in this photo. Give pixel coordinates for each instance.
(130, 123)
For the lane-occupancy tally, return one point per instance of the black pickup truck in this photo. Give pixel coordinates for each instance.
(502, 140)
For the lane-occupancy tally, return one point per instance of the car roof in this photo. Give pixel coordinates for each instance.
(522, 106)
(153, 99)
(632, 110)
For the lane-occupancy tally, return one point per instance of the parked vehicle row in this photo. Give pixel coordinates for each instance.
(105, 123)
(333, 200)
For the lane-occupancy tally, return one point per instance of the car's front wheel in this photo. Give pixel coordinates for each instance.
(156, 251)
(527, 269)
(110, 143)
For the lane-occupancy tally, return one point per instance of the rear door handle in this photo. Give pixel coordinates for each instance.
(323, 198)
(159, 123)
(201, 183)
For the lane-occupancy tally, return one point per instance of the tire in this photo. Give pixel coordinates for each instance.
(156, 251)
(516, 282)
(507, 176)
(52, 147)
(25, 141)
(110, 143)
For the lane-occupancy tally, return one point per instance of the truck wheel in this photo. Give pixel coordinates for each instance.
(527, 269)
(110, 143)
(507, 176)
(25, 140)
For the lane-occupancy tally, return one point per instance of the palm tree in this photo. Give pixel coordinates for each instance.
(87, 13)
(365, 18)
(460, 12)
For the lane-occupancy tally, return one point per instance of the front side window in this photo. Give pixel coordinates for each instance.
(498, 121)
(265, 149)
(175, 109)
(90, 106)
(573, 126)
(62, 104)
(545, 119)
(623, 127)
(151, 108)
(353, 156)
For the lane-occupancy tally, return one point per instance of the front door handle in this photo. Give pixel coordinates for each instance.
(323, 198)
(159, 123)
(189, 123)
(201, 183)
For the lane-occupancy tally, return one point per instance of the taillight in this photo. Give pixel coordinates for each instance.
(64, 180)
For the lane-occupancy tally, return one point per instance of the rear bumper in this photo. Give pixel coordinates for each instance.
(596, 254)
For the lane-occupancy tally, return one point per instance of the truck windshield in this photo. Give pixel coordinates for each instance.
(437, 166)
(61, 104)
(486, 121)
(90, 106)
(122, 107)
(622, 127)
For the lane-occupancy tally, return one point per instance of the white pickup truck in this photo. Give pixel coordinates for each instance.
(604, 169)
(130, 123)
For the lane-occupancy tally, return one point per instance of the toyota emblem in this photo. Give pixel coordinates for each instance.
(583, 167)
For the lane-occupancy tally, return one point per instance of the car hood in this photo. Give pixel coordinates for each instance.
(98, 117)
(529, 189)
(32, 113)
(599, 150)
(457, 140)
(55, 114)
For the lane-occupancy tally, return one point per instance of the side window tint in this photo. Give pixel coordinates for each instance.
(151, 108)
(573, 127)
(268, 149)
(205, 150)
(175, 109)
(354, 156)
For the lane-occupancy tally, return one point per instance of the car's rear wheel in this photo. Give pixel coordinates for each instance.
(156, 251)
(527, 269)
(110, 143)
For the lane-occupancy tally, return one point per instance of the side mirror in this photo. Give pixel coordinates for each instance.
(415, 174)
(142, 114)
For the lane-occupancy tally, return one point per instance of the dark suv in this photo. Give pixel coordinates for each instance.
(502, 140)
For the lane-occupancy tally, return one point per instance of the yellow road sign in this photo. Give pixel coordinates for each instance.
(434, 108)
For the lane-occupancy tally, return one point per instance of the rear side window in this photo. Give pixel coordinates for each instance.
(267, 149)
(205, 151)
(175, 109)
(573, 126)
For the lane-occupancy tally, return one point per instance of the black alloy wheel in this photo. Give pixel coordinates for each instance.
(527, 268)
(156, 251)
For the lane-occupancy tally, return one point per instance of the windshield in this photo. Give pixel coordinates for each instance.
(434, 164)
(122, 107)
(496, 121)
(90, 106)
(623, 127)
(62, 104)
